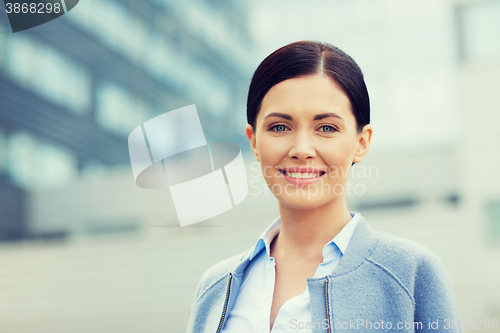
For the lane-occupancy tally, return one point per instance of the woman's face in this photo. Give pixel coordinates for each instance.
(306, 124)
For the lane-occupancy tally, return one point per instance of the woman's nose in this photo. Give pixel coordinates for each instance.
(302, 148)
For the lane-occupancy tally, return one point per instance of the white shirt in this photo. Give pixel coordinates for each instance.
(251, 312)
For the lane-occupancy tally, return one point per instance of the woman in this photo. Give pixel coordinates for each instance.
(319, 267)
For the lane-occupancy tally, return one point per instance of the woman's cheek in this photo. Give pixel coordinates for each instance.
(274, 151)
(338, 159)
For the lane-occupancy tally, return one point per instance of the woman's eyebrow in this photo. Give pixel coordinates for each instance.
(326, 115)
(316, 117)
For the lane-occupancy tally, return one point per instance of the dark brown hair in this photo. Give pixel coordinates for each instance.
(308, 58)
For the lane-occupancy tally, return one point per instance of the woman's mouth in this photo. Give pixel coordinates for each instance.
(302, 178)
(302, 175)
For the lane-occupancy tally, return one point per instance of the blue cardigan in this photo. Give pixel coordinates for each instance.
(381, 284)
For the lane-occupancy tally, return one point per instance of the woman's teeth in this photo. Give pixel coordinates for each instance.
(302, 175)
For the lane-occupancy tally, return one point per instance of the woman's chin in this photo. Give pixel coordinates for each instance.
(302, 201)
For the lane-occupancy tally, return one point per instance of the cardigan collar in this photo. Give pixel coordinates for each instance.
(362, 243)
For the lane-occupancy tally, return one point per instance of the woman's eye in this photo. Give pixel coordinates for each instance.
(278, 128)
(283, 128)
(329, 129)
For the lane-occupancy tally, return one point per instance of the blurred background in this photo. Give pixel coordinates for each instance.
(83, 249)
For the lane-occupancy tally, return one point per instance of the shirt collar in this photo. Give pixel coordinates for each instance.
(267, 237)
(340, 241)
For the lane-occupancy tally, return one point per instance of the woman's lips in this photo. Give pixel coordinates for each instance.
(302, 181)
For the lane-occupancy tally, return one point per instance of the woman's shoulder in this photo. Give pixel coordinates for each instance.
(220, 270)
(406, 259)
(391, 247)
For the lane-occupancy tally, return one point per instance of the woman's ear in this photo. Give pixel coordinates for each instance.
(364, 139)
(251, 137)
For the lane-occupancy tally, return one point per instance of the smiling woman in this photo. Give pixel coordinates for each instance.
(305, 128)
(318, 267)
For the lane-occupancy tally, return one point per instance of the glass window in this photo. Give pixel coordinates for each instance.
(40, 68)
(114, 25)
(85, 15)
(480, 25)
(118, 28)
(210, 89)
(21, 149)
(2, 46)
(137, 38)
(20, 59)
(3, 151)
(164, 62)
(62, 80)
(32, 163)
(55, 166)
(209, 24)
(117, 110)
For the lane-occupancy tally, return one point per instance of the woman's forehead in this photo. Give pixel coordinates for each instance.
(306, 97)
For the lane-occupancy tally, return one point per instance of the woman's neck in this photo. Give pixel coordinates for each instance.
(304, 232)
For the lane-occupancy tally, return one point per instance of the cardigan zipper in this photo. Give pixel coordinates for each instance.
(225, 303)
(329, 328)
